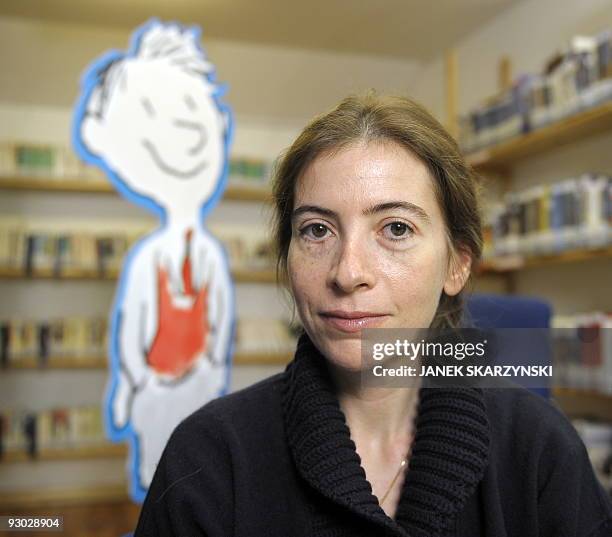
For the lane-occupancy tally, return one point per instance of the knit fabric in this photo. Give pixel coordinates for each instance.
(448, 457)
(276, 460)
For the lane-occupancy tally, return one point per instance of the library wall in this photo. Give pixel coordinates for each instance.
(528, 33)
(267, 84)
(272, 92)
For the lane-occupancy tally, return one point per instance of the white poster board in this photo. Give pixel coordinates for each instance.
(152, 118)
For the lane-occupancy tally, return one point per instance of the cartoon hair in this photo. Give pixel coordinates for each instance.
(157, 43)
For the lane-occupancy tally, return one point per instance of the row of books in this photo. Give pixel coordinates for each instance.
(52, 429)
(574, 80)
(36, 160)
(249, 172)
(597, 438)
(65, 254)
(248, 249)
(265, 336)
(582, 351)
(575, 213)
(84, 340)
(47, 340)
(56, 162)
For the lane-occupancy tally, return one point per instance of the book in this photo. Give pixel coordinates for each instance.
(571, 214)
(573, 80)
(582, 357)
(45, 341)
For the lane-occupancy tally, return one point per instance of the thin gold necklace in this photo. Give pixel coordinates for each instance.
(397, 474)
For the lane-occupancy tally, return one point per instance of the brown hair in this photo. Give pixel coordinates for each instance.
(370, 117)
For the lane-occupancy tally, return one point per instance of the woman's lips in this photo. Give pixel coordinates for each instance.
(354, 325)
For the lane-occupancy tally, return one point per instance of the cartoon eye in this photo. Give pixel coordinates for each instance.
(190, 102)
(148, 106)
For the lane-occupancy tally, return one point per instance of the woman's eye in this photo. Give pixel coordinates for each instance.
(315, 231)
(398, 230)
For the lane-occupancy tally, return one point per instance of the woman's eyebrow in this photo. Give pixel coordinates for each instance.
(312, 209)
(419, 212)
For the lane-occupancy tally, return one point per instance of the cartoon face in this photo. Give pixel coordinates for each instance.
(160, 132)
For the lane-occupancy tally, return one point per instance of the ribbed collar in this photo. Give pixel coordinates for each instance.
(448, 456)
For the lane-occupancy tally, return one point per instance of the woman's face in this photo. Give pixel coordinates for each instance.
(369, 242)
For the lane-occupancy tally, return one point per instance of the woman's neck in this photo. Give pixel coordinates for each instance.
(382, 425)
(378, 416)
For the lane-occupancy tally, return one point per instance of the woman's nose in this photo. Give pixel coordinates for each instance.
(353, 266)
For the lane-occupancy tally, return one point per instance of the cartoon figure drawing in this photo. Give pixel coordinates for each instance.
(153, 120)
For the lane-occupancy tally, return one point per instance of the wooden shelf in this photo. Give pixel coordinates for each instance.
(103, 451)
(574, 128)
(64, 362)
(62, 497)
(239, 275)
(59, 362)
(583, 403)
(514, 263)
(254, 276)
(262, 358)
(247, 193)
(47, 184)
(43, 274)
(92, 186)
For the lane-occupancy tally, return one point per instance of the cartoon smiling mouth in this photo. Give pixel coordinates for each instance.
(181, 174)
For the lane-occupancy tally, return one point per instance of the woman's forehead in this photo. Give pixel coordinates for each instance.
(363, 173)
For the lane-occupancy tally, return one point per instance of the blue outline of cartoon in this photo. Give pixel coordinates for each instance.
(152, 119)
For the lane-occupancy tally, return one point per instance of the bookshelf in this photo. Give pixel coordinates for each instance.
(101, 451)
(66, 496)
(58, 362)
(501, 157)
(32, 187)
(584, 403)
(490, 267)
(514, 263)
(103, 510)
(90, 186)
(239, 275)
(495, 165)
(63, 362)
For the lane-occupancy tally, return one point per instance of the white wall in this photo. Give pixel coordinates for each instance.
(43, 62)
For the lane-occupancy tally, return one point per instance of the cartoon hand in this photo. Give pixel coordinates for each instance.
(122, 402)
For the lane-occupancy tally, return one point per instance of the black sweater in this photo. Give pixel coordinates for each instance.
(276, 459)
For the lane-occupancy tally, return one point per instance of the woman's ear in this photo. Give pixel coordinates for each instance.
(458, 271)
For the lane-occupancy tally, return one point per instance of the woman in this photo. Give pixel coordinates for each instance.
(376, 225)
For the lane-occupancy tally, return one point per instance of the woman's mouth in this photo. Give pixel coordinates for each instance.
(353, 324)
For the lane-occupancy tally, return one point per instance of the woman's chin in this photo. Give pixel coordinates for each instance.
(344, 354)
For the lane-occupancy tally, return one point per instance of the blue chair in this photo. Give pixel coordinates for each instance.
(490, 311)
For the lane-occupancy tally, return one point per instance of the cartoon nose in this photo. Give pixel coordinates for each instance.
(199, 130)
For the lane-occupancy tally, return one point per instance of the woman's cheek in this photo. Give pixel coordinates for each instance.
(314, 250)
(396, 262)
(303, 268)
(414, 258)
